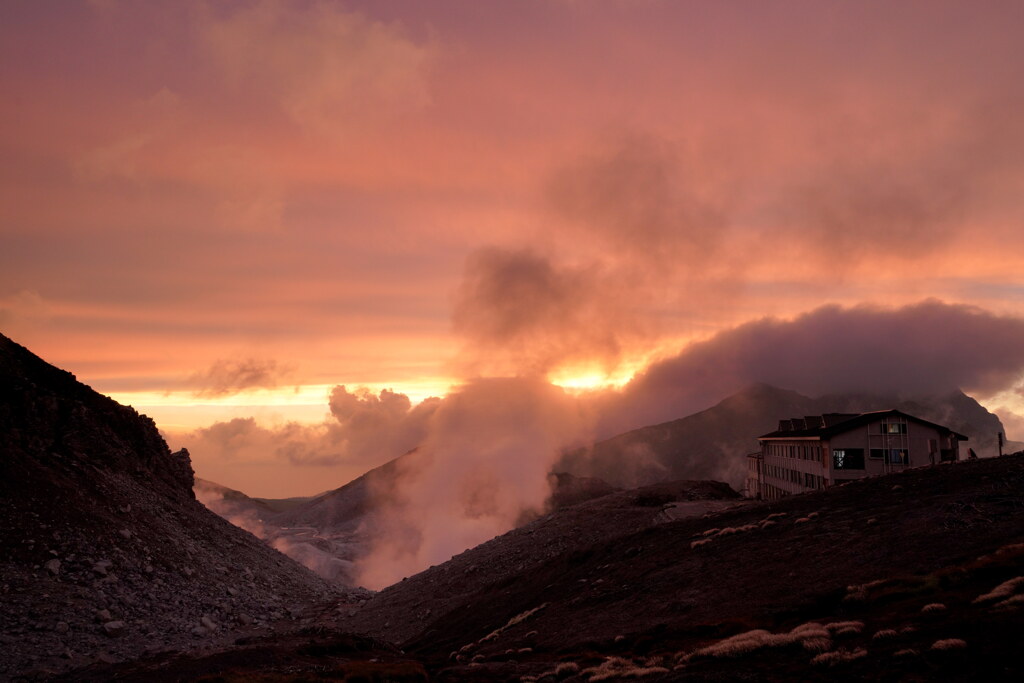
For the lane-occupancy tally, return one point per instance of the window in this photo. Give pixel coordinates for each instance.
(848, 458)
(877, 453)
(894, 427)
(898, 456)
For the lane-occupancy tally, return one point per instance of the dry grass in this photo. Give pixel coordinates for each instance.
(1010, 603)
(839, 657)
(1002, 591)
(518, 619)
(563, 670)
(949, 644)
(860, 592)
(1005, 552)
(811, 636)
(845, 628)
(617, 667)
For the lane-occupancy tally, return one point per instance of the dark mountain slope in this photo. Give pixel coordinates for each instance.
(712, 444)
(104, 551)
(567, 533)
(231, 499)
(917, 576)
(330, 532)
(876, 552)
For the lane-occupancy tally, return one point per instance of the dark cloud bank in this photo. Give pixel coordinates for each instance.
(925, 348)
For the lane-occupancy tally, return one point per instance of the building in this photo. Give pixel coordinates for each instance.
(818, 451)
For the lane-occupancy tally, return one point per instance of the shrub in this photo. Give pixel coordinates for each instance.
(860, 592)
(949, 644)
(1010, 603)
(697, 544)
(885, 634)
(1003, 590)
(811, 636)
(933, 608)
(839, 657)
(517, 619)
(845, 627)
(837, 626)
(617, 667)
(711, 532)
(905, 653)
(566, 668)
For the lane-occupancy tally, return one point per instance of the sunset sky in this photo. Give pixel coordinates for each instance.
(222, 213)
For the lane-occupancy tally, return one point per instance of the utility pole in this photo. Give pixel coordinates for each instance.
(1000, 435)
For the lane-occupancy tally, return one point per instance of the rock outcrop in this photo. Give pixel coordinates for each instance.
(104, 551)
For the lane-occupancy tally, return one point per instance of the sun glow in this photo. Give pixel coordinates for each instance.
(307, 403)
(590, 381)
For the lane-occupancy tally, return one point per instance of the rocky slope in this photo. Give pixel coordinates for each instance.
(880, 571)
(917, 576)
(104, 551)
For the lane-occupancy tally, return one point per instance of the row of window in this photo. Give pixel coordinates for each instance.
(798, 452)
(805, 479)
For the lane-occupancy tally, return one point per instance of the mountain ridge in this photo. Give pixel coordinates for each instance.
(104, 551)
(711, 443)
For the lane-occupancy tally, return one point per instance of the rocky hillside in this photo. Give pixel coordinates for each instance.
(104, 552)
(712, 444)
(915, 576)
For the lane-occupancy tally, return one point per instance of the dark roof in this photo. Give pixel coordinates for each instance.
(839, 423)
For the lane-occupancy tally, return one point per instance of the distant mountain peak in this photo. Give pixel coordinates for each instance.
(712, 443)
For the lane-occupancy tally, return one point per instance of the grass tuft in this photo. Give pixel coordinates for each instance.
(949, 644)
(1002, 591)
(839, 657)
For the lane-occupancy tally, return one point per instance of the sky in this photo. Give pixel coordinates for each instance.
(299, 234)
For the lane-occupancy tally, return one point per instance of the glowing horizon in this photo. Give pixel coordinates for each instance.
(204, 206)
